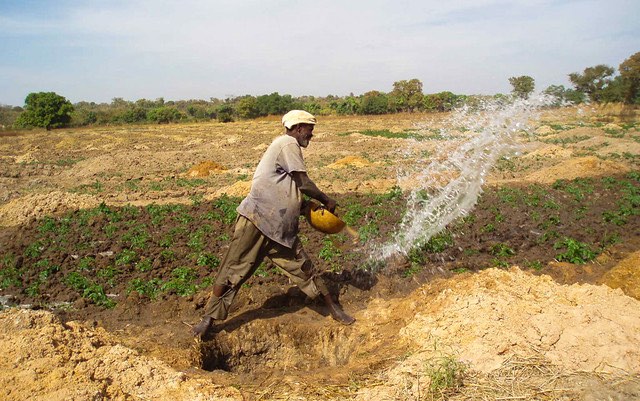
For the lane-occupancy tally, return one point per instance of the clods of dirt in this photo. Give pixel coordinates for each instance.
(205, 169)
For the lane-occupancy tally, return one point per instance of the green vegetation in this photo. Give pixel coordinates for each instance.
(446, 376)
(523, 86)
(173, 250)
(575, 251)
(89, 289)
(386, 134)
(46, 110)
(183, 282)
(49, 110)
(330, 253)
(226, 207)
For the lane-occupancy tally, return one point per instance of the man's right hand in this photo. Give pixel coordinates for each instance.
(330, 205)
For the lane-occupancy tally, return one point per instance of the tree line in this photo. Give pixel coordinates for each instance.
(50, 110)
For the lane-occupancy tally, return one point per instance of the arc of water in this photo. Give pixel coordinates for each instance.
(494, 131)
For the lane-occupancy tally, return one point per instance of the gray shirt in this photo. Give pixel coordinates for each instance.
(273, 204)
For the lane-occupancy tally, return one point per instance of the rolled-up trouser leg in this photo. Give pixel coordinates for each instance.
(243, 257)
(298, 267)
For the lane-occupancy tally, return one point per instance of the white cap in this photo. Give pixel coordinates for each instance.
(297, 117)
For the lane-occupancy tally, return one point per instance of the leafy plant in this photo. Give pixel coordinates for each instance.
(89, 290)
(150, 288)
(446, 375)
(196, 241)
(207, 259)
(439, 242)
(329, 251)
(501, 250)
(262, 271)
(227, 206)
(368, 231)
(48, 269)
(183, 281)
(9, 275)
(575, 251)
(127, 256)
(535, 264)
(144, 265)
(34, 249)
(137, 237)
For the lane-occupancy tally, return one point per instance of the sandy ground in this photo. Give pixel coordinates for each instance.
(517, 335)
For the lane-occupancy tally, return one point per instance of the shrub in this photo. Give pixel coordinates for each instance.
(164, 115)
(45, 109)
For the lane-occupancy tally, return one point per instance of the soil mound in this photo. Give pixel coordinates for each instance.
(354, 161)
(51, 361)
(625, 275)
(576, 168)
(205, 169)
(21, 210)
(237, 189)
(488, 319)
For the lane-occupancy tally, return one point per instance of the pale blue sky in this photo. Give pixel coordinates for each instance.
(95, 50)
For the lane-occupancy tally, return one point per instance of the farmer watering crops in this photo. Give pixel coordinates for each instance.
(267, 225)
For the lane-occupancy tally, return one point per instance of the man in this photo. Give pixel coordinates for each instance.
(267, 225)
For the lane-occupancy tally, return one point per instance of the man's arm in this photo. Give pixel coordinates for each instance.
(310, 189)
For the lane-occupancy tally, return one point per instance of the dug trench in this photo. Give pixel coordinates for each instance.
(144, 273)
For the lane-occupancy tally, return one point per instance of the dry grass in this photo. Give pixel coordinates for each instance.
(534, 378)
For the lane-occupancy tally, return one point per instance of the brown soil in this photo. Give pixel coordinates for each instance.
(124, 205)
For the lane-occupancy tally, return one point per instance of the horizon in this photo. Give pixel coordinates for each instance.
(194, 50)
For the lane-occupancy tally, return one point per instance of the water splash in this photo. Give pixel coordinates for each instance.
(447, 184)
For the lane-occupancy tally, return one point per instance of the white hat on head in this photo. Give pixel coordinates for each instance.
(297, 117)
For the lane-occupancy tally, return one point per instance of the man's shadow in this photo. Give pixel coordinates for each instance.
(294, 300)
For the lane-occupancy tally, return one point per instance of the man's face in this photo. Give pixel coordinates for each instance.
(303, 134)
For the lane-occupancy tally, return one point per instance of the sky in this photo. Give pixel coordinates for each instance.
(97, 50)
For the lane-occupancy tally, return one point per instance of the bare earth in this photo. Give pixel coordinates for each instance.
(567, 332)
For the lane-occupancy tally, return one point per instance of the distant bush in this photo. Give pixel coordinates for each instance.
(224, 113)
(164, 115)
(45, 109)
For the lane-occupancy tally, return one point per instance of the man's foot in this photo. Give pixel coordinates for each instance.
(200, 329)
(339, 315)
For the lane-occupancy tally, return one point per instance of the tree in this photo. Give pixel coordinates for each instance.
(225, 112)
(247, 107)
(275, 104)
(562, 95)
(8, 115)
(45, 109)
(374, 102)
(164, 115)
(407, 95)
(592, 81)
(522, 86)
(346, 106)
(630, 74)
(443, 101)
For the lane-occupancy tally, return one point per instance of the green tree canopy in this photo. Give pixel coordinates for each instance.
(522, 86)
(592, 81)
(407, 95)
(247, 107)
(442, 101)
(374, 102)
(562, 94)
(45, 109)
(630, 73)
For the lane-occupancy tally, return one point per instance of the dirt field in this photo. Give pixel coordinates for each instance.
(111, 236)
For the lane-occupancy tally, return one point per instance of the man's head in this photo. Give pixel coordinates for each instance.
(299, 124)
